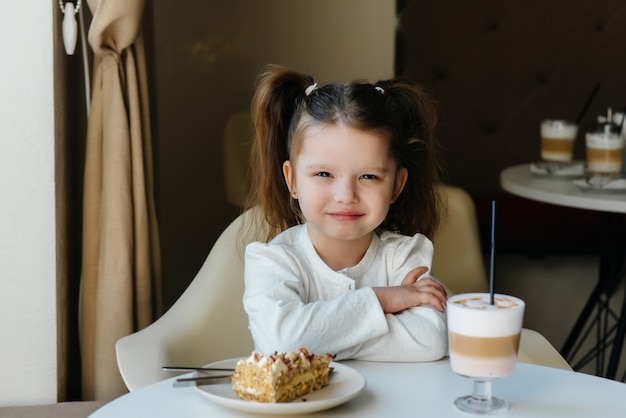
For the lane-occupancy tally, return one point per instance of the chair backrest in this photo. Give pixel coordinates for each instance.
(458, 260)
(207, 323)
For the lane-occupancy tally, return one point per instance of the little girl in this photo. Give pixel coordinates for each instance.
(346, 176)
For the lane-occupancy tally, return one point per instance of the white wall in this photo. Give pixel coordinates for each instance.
(28, 333)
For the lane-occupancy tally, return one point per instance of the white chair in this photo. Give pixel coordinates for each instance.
(208, 323)
(458, 258)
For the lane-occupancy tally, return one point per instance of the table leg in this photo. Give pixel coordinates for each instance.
(609, 276)
(580, 323)
(618, 344)
(596, 294)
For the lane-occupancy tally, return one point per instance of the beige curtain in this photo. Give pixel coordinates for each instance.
(121, 259)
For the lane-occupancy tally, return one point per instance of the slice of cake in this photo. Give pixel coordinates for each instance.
(280, 377)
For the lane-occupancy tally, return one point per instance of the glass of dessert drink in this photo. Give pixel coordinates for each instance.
(605, 151)
(483, 339)
(557, 140)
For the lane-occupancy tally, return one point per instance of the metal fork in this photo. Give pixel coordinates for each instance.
(197, 369)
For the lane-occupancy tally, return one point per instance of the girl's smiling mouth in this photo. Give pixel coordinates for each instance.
(345, 215)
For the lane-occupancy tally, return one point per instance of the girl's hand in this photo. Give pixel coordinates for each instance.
(412, 292)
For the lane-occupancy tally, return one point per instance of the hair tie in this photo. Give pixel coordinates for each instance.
(380, 89)
(310, 89)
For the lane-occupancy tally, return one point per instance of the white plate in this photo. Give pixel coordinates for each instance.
(597, 183)
(344, 384)
(558, 169)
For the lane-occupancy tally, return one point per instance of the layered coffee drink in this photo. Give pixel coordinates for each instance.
(557, 140)
(484, 338)
(605, 152)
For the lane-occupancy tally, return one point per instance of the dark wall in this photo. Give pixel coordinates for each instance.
(498, 68)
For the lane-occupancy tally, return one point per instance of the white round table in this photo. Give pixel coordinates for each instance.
(408, 390)
(519, 181)
(559, 190)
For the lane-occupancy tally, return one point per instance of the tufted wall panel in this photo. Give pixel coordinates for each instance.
(497, 67)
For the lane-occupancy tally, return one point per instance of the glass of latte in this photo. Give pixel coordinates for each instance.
(557, 140)
(605, 152)
(484, 339)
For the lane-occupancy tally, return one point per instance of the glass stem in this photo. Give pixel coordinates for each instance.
(482, 390)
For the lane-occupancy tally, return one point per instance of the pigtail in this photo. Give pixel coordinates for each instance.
(279, 94)
(420, 205)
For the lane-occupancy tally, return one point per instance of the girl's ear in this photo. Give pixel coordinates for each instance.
(401, 177)
(289, 178)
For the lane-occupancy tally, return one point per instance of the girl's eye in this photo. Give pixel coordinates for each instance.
(323, 174)
(369, 176)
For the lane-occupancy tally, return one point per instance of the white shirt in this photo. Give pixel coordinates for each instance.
(293, 299)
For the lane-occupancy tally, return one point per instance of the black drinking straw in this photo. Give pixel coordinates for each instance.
(493, 248)
(588, 103)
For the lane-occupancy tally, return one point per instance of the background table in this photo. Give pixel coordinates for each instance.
(409, 390)
(558, 190)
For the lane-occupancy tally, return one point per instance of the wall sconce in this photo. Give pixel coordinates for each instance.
(70, 30)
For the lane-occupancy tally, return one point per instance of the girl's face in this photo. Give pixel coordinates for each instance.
(344, 179)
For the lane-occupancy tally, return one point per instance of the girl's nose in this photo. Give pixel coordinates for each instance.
(345, 190)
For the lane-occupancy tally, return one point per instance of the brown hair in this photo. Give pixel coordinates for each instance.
(400, 110)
